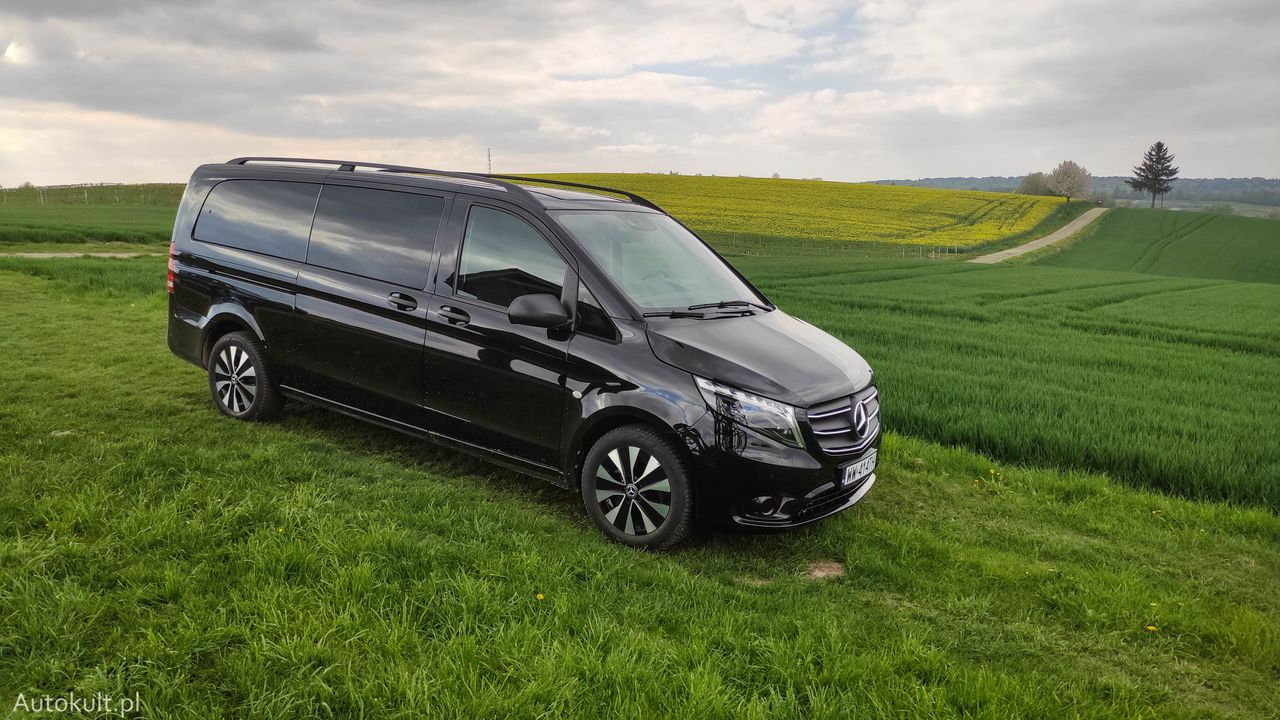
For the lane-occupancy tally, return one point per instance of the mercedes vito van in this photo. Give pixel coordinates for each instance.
(572, 332)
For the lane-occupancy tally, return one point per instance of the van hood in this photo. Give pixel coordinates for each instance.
(770, 354)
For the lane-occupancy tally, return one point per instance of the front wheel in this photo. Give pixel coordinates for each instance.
(636, 487)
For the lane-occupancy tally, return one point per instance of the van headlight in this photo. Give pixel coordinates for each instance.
(767, 417)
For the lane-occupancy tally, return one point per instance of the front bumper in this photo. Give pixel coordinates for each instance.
(819, 504)
(749, 482)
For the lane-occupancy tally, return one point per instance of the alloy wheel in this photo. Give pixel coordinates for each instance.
(235, 379)
(633, 490)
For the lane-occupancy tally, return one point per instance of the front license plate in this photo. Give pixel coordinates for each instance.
(855, 472)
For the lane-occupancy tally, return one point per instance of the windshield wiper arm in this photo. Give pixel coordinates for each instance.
(676, 314)
(730, 304)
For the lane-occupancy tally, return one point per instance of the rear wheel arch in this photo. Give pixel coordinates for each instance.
(220, 326)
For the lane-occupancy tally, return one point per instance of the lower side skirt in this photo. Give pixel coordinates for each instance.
(542, 472)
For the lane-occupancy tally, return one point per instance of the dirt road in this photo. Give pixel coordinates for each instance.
(1070, 229)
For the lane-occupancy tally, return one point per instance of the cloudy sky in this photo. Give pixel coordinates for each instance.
(129, 90)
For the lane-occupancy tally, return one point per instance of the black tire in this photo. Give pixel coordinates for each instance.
(624, 491)
(241, 380)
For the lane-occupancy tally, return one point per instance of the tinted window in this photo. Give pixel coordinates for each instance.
(503, 257)
(260, 215)
(379, 234)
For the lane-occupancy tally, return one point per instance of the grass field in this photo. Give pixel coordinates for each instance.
(734, 211)
(323, 567)
(1185, 244)
(320, 567)
(106, 213)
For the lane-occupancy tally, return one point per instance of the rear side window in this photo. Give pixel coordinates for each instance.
(264, 216)
(379, 234)
(503, 257)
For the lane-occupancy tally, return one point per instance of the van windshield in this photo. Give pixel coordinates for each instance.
(654, 260)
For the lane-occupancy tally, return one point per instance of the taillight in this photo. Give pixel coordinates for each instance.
(172, 274)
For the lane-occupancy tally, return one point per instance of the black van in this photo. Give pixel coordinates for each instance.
(572, 332)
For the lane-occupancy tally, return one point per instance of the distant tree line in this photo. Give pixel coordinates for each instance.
(1255, 190)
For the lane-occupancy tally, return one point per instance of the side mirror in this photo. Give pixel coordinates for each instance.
(538, 310)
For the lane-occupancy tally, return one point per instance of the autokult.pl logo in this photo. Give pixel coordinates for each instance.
(98, 703)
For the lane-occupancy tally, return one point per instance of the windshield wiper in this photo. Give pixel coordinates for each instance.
(730, 304)
(676, 314)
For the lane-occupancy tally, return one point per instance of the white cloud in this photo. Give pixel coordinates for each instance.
(16, 54)
(555, 126)
(642, 149)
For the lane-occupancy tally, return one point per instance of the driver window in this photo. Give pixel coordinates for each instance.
(503, 257)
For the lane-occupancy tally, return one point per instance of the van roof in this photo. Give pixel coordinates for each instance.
(548, 194)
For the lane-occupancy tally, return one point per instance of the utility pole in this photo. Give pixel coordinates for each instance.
(489, 152)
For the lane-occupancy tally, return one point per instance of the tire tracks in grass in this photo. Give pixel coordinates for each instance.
(1153, 252)
(1104, 302)
(1263, 347)
(1001, 298)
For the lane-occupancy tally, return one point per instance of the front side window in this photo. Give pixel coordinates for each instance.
(592, 318)
(654, 260)
(378, 234)
(503, 257)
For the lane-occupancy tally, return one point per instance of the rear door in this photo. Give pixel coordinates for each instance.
(362, 301)
(502, 384)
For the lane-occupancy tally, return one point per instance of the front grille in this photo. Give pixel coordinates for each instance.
(833, 422)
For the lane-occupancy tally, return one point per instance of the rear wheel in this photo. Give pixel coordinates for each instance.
(636, 487)
(240, 379)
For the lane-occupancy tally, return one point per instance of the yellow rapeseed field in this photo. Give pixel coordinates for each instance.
(817, 210)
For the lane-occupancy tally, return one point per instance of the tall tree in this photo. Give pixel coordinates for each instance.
(1069, 180)
(1036, 183)
(1156, 173)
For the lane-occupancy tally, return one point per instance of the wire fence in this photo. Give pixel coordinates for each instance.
(758, 246)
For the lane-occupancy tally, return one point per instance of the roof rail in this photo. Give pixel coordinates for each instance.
(350, 166)
(637, 199)
(503, 181)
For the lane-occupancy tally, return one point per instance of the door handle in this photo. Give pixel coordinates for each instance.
(400, 301)
(454, 315)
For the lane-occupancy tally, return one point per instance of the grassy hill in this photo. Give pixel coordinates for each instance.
(1185, 244)
(734, 212)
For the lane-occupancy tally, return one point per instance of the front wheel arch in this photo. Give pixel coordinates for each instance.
(602, 423)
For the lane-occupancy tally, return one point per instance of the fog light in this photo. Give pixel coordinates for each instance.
(765, 504)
